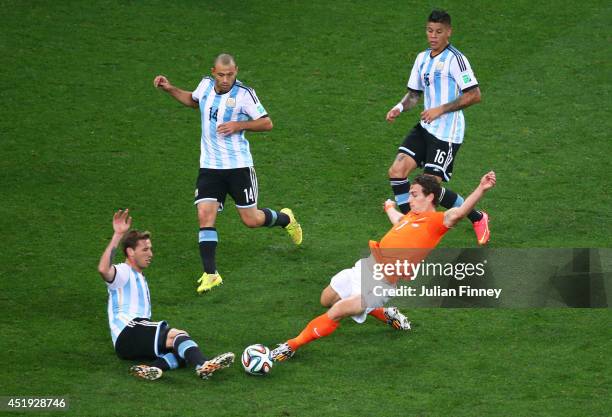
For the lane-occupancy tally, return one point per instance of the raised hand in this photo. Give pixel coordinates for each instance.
(488, 181)
(122, 221)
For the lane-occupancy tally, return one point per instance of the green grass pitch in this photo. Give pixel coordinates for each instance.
(83, 132)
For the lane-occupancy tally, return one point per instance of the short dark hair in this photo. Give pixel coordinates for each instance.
(439, 16)
(224, 59)
(430, 186)
(132, 238)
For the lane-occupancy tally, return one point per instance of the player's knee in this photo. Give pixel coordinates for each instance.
(181, 333)
(324, 300)
(173, 334)
(206, 217)
(328, 297)
(397, 171)
(392, 171)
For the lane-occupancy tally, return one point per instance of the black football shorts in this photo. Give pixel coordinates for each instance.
(435, 156)
(215, 184)
(142, 339)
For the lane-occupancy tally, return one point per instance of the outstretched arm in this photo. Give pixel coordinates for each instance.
(182, 96)
(410, 100)
(453, 215)
(121, 224)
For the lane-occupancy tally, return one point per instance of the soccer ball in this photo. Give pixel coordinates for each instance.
(256, 360)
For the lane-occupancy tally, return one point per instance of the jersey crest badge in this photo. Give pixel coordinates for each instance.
(440, 66)
(231, 102)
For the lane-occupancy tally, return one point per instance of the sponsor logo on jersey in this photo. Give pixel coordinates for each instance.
(466, 78)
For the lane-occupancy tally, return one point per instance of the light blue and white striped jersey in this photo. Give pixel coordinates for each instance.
(128, 298)
(442, 79)
(238, 104)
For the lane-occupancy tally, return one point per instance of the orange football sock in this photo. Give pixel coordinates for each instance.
(319, 327)
(379, 313)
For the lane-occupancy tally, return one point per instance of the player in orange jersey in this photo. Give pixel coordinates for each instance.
(416, 233)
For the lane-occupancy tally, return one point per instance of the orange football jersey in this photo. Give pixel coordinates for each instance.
(416, 231)
(419, 232)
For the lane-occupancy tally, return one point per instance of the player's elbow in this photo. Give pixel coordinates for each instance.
(105, 274)
(476, 97)
(452, 216)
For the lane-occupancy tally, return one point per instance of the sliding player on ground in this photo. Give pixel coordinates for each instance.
(135, 336)
(417, 232)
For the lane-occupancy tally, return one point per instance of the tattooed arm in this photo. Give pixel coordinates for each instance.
(468, 98)
(121, 224)
(410, 100)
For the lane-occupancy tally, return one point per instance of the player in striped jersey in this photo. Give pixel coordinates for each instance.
(134, 335)
(353, 292)
(444, 76)
(228, 108)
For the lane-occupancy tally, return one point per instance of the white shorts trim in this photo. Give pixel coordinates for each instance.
(202, 200)
(443, 169)
(159, 326)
